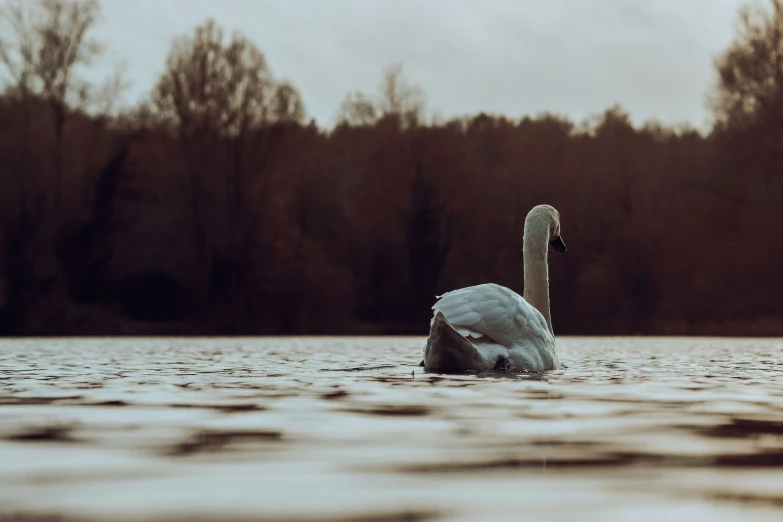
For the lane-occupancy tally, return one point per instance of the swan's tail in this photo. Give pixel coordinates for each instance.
(447, 350)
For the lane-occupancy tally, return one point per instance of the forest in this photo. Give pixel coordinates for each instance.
(216, 207)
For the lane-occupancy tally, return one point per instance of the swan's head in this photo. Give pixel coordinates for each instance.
(547, 219)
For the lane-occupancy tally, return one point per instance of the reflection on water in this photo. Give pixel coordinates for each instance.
(352, 429)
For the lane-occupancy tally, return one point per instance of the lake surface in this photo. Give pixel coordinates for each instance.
(352, 429)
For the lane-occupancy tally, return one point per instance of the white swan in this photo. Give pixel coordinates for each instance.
(488, 326)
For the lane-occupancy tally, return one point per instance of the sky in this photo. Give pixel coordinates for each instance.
(517, 57)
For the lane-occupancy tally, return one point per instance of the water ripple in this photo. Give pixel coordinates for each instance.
(353, 429)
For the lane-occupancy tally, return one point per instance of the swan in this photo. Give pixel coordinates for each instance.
(490, 327)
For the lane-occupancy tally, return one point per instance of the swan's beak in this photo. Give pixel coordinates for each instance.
(557, 244)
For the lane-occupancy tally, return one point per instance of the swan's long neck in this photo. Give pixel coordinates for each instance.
(534, 250)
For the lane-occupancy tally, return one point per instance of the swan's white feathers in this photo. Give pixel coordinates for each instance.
(498, 323)
(493, 311)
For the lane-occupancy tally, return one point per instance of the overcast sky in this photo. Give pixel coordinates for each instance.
(517, 57)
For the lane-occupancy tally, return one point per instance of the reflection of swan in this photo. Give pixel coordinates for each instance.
(488, 326)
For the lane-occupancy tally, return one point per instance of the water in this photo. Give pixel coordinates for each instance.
(352, 429)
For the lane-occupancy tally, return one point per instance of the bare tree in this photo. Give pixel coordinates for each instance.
(212, 86)
(18, 45)
(396, 98)
(47, 40)
(218, 90)
(287, 104)
(358, 110)
(399, 98)
(750, 72)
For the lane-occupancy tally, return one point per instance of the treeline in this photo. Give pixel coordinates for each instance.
(217, 208)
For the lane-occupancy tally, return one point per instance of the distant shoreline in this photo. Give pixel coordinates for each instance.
(120, 327)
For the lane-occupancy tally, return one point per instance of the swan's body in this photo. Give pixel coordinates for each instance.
(494, 326)
(488, 326)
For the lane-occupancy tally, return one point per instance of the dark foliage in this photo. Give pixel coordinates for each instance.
(217, 209)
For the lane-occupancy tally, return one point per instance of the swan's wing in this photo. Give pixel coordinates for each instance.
(494, 311)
